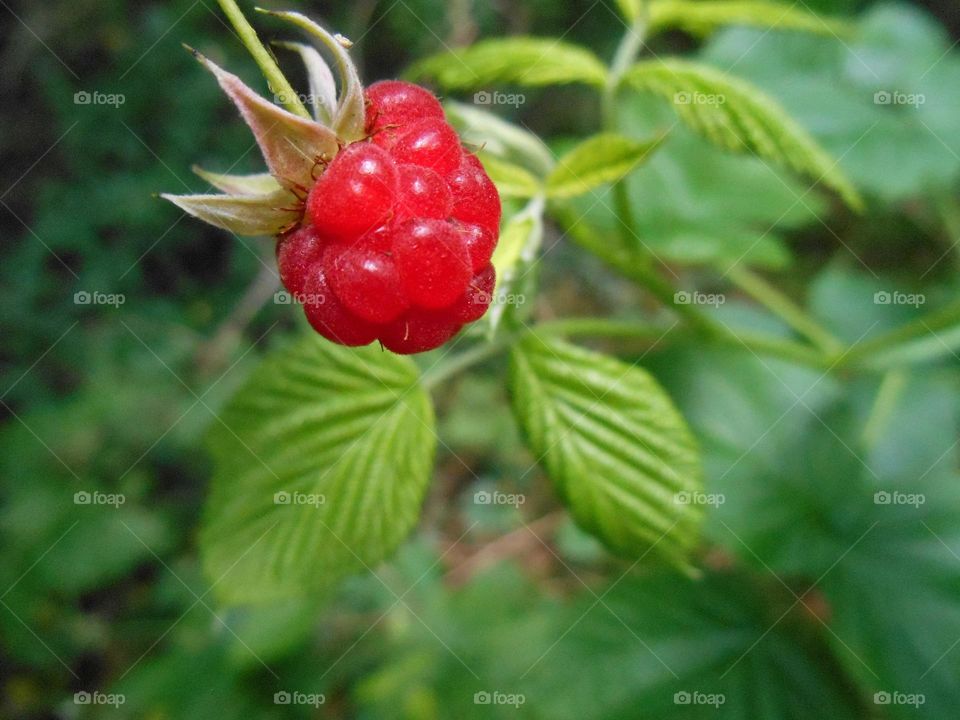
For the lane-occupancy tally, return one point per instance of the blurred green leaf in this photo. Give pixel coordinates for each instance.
(511, 180)
(524, 61)
(601, 159)
(614, 445)
(515, 261)
(702, 18)
(321, 463)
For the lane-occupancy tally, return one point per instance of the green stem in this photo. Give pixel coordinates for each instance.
(781, 305)
(888, 396)
(921, 329)
(276, 80)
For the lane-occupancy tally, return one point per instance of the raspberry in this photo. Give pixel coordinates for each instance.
(366, 281)
(430, 143)
(475, 301)
(421, 193)
(328, 317)
(398, 231)
(418, 331)
(394, 102)
(480, 244)
(296, 252)
(355, 194)
(475, 198)
(433, 262)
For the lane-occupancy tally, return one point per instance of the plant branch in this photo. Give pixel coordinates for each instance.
(276, 80)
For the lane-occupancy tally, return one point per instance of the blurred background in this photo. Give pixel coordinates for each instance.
(126, 325)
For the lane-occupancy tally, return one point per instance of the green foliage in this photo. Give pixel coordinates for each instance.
(612, 442)
(598, 160)
(703, 18)
(286, 512)
(733, 114)
(525, 61)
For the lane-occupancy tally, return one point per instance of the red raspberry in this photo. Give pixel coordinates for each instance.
(296, 252)
(418, 331)
(366, 281)
(475, 197)
(394, 102)
(328, 317)
(433, 262)
(431, 143)
(355, 194)
(480, 244)
(421, 193)
(475, 301)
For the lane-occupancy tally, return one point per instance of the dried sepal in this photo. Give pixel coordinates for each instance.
(243, 215)
(259, 184)
(323, 86)
(292, 146)
(348, 120)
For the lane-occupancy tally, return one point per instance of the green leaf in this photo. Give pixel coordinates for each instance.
(513, 259)
(525, 61)
(734, 114)
(702, 18)
(601, 159)
(500, 138)
(613, 443)
(630, 9)
(351, 432)
(511, 180)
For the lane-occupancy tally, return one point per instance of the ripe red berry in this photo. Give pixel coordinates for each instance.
(474, 302)
(366, 281)
(480, 244)
(394, 102)
(328, 317)
(418, 331)
(355, 194)
(431, 143)
(421, 193)
(433, 262)
(475, 198)
(296, 252)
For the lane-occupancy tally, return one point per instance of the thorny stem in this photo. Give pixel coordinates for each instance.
(276, 80)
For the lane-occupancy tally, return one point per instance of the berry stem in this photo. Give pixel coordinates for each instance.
(276, 80)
